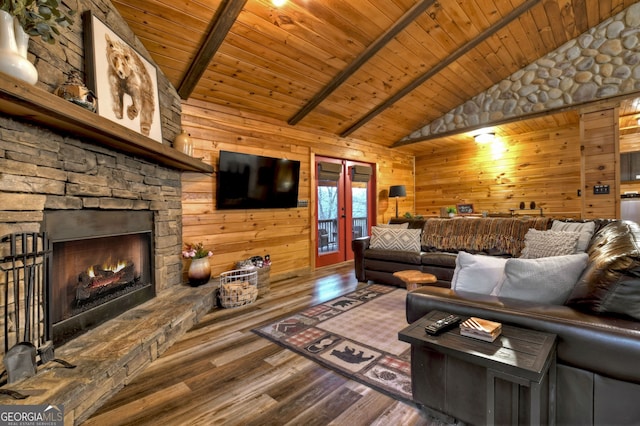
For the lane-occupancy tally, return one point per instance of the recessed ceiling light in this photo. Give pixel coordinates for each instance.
(278, 3)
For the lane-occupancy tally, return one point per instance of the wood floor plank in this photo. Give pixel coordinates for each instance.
(237, 414)
(327, 409)
(220, 372)
(295, 399)
(366, 410)
(135, 408)
(397, 414)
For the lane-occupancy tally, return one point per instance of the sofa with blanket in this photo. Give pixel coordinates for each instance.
(590, 301)
(431, 245)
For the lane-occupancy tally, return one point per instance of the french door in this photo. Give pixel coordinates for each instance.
(344, 207)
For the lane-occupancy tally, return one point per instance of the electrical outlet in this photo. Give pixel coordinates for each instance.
(600, 189)
(303, 203)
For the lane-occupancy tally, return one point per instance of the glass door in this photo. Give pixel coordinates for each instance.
(344, 194)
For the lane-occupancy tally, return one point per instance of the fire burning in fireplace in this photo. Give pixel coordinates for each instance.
(99, 279)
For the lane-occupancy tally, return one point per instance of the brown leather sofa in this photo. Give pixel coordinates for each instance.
(598, 336)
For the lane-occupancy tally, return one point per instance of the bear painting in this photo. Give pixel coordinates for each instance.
(128, 76)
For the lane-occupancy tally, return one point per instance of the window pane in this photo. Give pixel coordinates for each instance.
(359, 209)
(327, 216)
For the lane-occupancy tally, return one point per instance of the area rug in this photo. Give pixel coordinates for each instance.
(355, 335)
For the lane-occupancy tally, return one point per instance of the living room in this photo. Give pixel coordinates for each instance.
(553, 158)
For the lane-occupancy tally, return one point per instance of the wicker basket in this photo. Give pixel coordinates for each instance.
(264, 276)
(264, 280)
(238, 287)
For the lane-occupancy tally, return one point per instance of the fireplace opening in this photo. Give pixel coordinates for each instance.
(101, 266)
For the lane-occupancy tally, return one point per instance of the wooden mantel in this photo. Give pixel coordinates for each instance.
(33, 104)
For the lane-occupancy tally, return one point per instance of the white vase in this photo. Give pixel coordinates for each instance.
(14, 43)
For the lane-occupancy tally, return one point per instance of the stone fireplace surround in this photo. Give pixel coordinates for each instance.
(41, 170)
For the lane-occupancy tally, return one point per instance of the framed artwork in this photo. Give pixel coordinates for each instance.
(125, 83)
(465, 208)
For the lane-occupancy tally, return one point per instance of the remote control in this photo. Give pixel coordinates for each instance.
(442, 325)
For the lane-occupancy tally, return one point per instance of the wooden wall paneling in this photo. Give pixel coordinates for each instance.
(542, 166)
(600, 142)
(399, 172)
(630, 142)
(313, 240)
(288, 234)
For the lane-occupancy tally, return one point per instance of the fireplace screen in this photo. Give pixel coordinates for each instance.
(101, 266)
(88, 273)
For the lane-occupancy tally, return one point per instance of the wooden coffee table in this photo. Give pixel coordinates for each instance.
(456, 375)
(414, 279)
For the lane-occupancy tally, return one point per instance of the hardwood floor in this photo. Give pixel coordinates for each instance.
(220, 372)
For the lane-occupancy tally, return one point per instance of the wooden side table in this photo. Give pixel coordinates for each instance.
(414, 279)
(521, 357)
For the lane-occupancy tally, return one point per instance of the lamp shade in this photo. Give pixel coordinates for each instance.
(397, 191)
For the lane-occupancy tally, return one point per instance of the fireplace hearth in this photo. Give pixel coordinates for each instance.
(101, 266)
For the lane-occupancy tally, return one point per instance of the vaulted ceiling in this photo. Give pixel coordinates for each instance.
(374, 70)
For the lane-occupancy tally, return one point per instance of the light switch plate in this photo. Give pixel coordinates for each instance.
(600, 189)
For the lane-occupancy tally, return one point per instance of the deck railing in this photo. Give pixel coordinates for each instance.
(328, 232)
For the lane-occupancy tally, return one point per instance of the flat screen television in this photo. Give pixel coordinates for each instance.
(248, 181)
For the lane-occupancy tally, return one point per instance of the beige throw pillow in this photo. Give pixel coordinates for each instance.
(539, 244)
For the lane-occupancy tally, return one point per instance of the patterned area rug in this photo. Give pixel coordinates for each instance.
(356, 335)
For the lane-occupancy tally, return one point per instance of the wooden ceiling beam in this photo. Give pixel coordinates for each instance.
(464, 49)
(225, 17)
(410, 16)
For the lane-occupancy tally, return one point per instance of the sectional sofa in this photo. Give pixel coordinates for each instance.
(593, 307)
(439, 241)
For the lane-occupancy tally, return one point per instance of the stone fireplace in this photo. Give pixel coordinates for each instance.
(89, 184)
(76, 189)
(100, 268)
(59, 162)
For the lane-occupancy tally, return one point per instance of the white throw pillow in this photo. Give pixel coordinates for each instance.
(586, 230)
(548, 243)
(395, 239)
(477, 273)
(545, 280)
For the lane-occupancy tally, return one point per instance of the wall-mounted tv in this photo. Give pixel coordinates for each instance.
(248, 181)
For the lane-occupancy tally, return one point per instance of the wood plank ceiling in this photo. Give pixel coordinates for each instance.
(374, 70)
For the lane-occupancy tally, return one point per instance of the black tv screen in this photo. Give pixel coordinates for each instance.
(248, 181)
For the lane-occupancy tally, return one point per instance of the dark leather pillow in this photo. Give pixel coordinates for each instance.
(611, 281)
